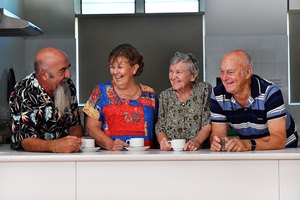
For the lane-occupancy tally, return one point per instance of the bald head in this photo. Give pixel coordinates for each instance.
(237, 57)
(48, 57)
(236, 73)
(51, 68)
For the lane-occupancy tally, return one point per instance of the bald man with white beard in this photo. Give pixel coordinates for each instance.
(44, 108)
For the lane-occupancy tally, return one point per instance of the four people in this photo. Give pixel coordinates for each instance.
(121, 109)
(44, 109)
(184, 108)
(45, 116)
(253, 107)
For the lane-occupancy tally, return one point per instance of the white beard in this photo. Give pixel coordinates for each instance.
(62, 98)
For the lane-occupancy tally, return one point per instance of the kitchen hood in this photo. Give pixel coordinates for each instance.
(11, 25)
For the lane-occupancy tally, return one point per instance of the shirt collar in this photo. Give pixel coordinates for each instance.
(255, 90)
(255, 86)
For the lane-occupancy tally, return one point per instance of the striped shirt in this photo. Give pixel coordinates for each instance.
(265, 103)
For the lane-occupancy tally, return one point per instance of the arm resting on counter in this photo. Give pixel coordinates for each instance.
(94, 127)
(66, 144)
(196, 143)
(162, 139)
(277, 138)
(217, 130)
(203, 133)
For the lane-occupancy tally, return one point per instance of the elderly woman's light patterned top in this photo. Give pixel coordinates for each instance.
(183, 120)
(123, 118)
(33, 113)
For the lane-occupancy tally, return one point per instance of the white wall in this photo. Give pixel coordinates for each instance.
(11, 55)
(257, 26)
(56, 18)
(294, 4)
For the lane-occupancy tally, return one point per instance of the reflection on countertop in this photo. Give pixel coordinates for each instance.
(8, 155)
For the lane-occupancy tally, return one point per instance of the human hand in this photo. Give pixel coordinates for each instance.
(192, 145)
(118, 145)
(235, 144)
(165, 145)
(67, 144)
(215, 144)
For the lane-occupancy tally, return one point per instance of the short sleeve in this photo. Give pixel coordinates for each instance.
(216, 111)
(91, 108)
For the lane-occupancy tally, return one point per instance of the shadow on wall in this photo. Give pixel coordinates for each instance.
(4, 114)
(5, 131)
(8, 82)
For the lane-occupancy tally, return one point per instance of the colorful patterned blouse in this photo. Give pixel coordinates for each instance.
(183, 120)
(123, 118)
(33, 113)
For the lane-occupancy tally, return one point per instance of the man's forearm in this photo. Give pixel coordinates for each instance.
(38, 145)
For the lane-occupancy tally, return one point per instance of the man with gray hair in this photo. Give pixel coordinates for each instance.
(251, 106)
(44, 108)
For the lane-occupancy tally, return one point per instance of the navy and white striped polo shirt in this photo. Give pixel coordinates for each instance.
(265, 103)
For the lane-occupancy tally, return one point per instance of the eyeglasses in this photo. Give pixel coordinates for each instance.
(186, 57)
(189, 57)
(192, 59)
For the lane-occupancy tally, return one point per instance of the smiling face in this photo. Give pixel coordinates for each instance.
(53, 68)
(235, 72)
(181, 77)
(59, 74)
(122, 72)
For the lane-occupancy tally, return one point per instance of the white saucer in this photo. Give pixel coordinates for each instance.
(137, 148)
(93, 149)
(178, 150)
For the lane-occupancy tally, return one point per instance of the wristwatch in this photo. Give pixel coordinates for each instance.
(253, 144)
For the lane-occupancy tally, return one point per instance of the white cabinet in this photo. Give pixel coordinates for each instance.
(289, 172)
(210, 180)
(150, 175)
(37, 180)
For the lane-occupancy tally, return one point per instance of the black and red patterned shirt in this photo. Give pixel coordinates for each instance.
(33, 113)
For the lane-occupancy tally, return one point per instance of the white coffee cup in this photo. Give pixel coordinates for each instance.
(177, 144)
(135, 142)
(87, 143)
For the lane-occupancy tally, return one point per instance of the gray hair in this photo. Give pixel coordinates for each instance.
(38, 65)
(62, 98)
(190, 59)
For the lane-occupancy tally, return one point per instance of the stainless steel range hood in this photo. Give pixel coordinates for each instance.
(11, 25)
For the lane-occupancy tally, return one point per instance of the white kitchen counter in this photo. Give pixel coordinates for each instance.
(8, 155)
(150, 175)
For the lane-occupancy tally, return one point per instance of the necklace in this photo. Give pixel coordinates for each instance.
(129, 96)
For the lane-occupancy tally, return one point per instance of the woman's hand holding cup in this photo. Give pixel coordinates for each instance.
(118, 145)
(165, 145)
(192, 145)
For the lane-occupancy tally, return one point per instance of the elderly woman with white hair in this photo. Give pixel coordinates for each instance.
(184, 108)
